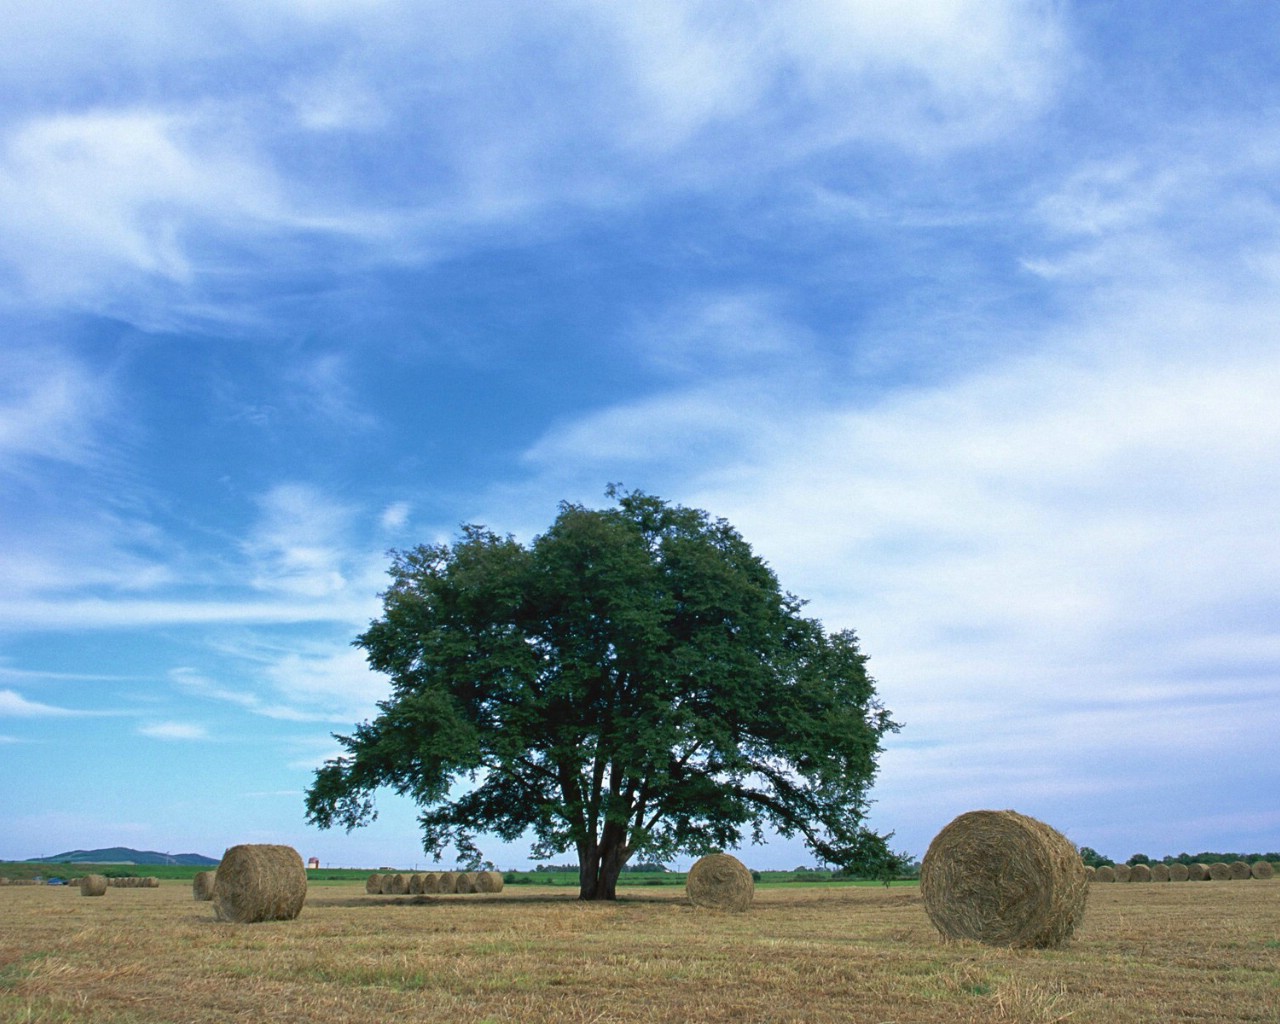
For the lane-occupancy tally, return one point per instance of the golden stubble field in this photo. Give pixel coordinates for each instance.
(1149, 953)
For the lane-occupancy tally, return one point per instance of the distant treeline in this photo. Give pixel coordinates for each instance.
(1093, 858)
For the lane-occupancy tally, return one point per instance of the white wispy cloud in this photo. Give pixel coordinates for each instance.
(14, 705)
(177, 731)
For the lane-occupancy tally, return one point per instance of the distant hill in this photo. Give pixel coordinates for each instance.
(124, 855)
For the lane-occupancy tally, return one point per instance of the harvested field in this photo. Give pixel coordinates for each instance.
(1176, 953)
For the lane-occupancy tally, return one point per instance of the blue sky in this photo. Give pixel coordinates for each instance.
(964, 313)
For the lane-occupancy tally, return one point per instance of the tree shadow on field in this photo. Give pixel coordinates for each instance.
(497, 901)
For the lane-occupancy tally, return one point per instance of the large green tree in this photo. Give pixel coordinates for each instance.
(634, 681)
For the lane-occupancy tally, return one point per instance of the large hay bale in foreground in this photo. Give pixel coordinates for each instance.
(202, 885)
(1179, 872)
(259, 882)
(373, 884)
(1160, 872)
(489, 881)
(93, 885)
(1123, 872)
(1261, 869)
(1240, 870)
(1140, 873)
(1198, 872)
(720, 882)
(1106, 873)
(1004, 879)
(1220, 872)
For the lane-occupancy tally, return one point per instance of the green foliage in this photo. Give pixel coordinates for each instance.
(1093, 859)
(632, 682)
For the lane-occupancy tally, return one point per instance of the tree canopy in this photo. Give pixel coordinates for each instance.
(633, 681)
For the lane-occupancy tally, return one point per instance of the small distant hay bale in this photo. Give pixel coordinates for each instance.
(1123, 872)
(202, 886)
(466, 882)
(720, 881)
(259, 882)
(1179, 872)
(415, 884)
(1240, 870)
(1159, 872)
(1090, 871)
(1220, 872)
(448, 881)
(1106, 873)
(93, 885)
(373, 884)
(1198, 872)
(1140, 873)
(431, 882)
(394, 885)
(488, 881)
(4, 879)
(151, 882)
(1004, 879)
(1261, 869)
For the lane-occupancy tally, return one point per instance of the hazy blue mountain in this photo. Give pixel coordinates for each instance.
(124, 855)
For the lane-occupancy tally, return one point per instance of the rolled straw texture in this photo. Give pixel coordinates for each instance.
(1261, 869)
(1004, 879)
(1240, 870)
(489, 881)
(259, 882)
(1106, 873)
(1160, 872)
(720, 882)
(373, 884)
(1179, 872)
(93, 885)
(202, 885)
(1140, 873)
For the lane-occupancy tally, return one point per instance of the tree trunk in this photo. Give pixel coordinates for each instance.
(600, 865)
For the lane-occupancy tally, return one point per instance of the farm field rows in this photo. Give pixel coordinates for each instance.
(1203, 952)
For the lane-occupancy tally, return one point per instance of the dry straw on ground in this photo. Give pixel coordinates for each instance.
(1261, 869)
(202, 885)
(1106, 873)
(1003, 879)
(720, 882)
(489, 881)
(1240, 870)
(1160, 873)
(1140, 873)
(93, 885)
(259, 882)
(1220, 872)
(1179, 872)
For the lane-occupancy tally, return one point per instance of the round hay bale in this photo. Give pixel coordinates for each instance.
(489, 881)
(466, 882)
(415, 884)
(394, 885)
(1159, 872)
(1220, 872)
(373, 884)
(259, 882)
(1090, 871)
(1179, 872)
(1140, 873)
(93, 885)
(431, 882)
(1198, 872)
(151, 882)
(720, 882)
(1123, 872)
(4, 879)
(448, 881)
(1106, 873)
(1004, 879)
(202, 886)
(1261, 869)
(1240, 870)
